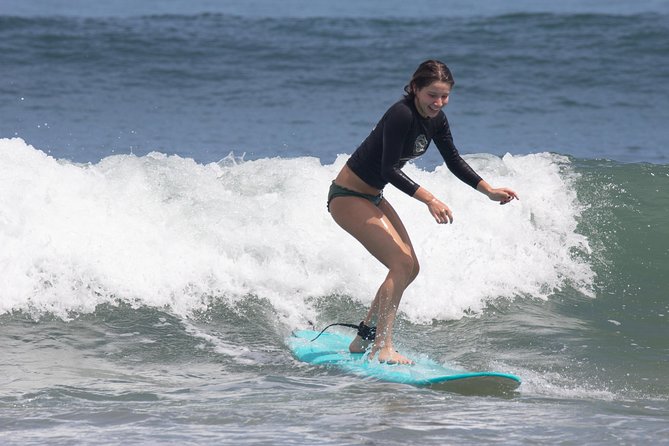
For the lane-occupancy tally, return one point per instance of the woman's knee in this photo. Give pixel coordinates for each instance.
(415, 271)
(405, 266)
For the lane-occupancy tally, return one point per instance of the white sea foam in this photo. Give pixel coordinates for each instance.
(165, 231)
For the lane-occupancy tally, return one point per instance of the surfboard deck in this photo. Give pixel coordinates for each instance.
(331, 349)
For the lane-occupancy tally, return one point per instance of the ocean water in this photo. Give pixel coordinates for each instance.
(163, 172)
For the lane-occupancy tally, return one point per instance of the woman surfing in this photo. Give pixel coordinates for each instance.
(356, 201)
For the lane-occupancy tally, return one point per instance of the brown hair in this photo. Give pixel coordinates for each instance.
(428, 72)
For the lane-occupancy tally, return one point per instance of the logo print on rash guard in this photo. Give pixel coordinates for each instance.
(420, 145)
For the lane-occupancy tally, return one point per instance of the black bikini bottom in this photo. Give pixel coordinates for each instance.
(340, 191)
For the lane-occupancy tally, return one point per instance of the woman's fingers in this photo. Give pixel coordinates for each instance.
(440, 212)
(444, 215)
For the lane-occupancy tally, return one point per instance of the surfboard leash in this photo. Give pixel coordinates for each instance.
(365, 332)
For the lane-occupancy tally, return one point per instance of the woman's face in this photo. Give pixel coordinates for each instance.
(431, 99)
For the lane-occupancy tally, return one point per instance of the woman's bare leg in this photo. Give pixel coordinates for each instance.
(382, 233)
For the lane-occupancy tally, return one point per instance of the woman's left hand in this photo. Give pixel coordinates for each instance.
(503, 195)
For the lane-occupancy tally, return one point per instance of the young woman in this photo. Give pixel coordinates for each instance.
(356, 201)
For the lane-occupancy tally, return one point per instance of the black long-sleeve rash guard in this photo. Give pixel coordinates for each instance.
(401, 135)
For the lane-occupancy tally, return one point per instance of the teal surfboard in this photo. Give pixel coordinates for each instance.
(331, 349)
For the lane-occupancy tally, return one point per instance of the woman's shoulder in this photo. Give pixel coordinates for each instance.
(403, 105)
(402, 109)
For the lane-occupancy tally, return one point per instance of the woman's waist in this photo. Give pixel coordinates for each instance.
(349, 179)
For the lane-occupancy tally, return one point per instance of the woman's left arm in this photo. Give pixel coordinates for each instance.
(444, 141)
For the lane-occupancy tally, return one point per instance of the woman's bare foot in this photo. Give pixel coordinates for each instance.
(388, 355)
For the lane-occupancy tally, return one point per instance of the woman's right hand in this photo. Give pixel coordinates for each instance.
(440, 212)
